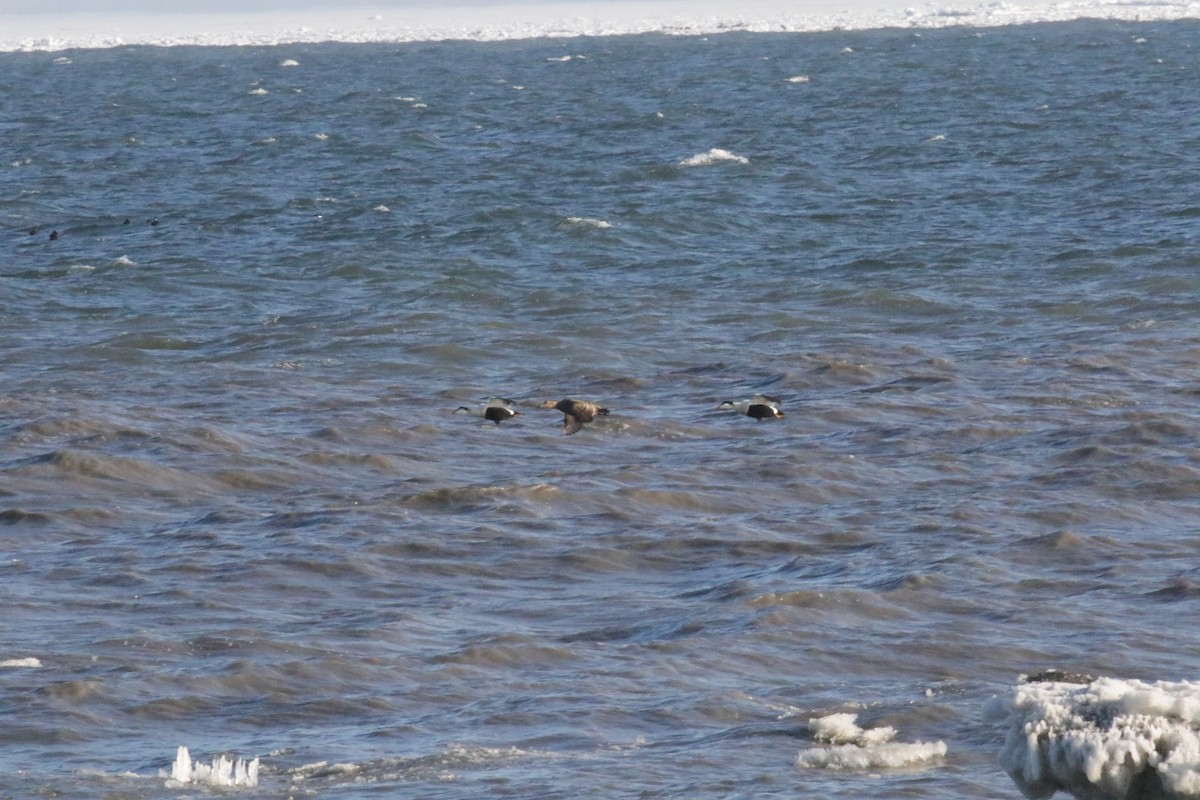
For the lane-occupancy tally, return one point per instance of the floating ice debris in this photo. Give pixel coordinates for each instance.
(25, 32)
(1102, 739)
(853, 747)
(223, 771)
(712, 157)
(18, 663)
(588, 222)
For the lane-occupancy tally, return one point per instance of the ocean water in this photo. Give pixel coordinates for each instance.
(237, 513)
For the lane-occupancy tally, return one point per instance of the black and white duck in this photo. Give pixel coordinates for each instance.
(759, 407)
(496, 410)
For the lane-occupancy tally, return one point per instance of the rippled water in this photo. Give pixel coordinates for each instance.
(237, 513)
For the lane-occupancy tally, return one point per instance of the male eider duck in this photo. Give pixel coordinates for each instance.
(759, 407)
(496, 410)
(575, 413)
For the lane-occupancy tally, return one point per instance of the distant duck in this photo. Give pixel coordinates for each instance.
(759, 407)
(575, 413)
(496, 410)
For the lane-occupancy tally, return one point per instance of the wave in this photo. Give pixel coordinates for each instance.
(445, 765)
(57, 31)
(463, 499)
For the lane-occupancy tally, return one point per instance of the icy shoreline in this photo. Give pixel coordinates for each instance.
(362, 24)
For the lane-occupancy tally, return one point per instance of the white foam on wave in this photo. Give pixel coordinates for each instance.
(854, 748)
(353, 23)
(223, 771)
(713, 156)
(1107, 739)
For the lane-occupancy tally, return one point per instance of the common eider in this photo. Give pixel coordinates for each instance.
(496, 410)
(759, 407)
(575, 413)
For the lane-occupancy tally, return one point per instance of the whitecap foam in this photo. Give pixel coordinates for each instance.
(223, 771)
(713, 156)
(1101, 739)
(854, 748)
(556, 18)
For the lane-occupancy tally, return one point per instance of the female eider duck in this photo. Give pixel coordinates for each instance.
(759, 407)
(496, 410)
(575, 413)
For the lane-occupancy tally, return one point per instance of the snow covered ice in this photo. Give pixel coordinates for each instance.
(857, 748)
(1102, 739)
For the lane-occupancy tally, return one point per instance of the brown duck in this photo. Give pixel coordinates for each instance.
(575, 413)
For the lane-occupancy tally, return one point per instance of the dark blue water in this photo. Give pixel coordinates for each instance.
(237, 513)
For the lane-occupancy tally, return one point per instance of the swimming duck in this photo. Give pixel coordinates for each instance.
(496, 410)
(575, 413)
(759, 407)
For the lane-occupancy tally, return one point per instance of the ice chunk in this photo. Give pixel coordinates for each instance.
(224, 771)
(713, 156)
(858, 748)
(1101, 739)
(16, 663)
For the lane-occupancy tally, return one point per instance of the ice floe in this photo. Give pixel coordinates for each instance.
(1100, 739)
(223, 771)
(851, 747)
(20, 663)
(713, 156)
(372, 21)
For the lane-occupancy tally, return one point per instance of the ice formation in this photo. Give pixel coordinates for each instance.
(16, 663)
(853, 747)
(1101, 739)
(374, 21)
(713, 156)
(223, 771)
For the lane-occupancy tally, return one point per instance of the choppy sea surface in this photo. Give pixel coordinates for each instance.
(238, 514)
